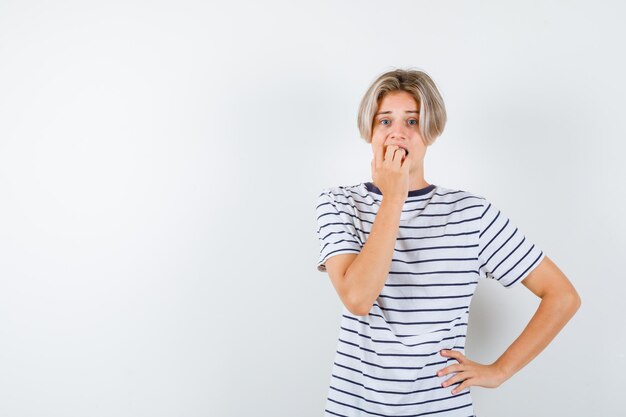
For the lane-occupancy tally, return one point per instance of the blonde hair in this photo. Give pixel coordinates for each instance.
(432, 118)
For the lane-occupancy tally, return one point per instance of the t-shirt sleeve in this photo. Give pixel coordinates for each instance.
(336, 230)
(504, 252)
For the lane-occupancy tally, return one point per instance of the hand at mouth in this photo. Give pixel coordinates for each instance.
(406, 151)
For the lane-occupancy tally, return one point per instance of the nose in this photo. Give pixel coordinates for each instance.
(397, 137)
(399, 133)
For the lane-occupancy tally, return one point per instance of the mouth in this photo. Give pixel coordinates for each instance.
(406, 151)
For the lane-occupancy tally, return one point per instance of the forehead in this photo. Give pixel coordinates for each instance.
(397, 101)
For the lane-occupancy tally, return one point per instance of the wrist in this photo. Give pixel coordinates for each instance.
(392, 202)
(502, 371)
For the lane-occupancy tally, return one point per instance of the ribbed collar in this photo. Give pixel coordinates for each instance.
(412, 193)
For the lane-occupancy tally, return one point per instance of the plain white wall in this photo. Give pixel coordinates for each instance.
(160, 162)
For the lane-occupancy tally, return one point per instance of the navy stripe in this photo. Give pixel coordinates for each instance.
(436, 272)
(436, 387)
(495, 237)
(406, 404)
(338, 232)
(395, 355)
(497, 250)
(409, 355)
(452, 284)
(341, 250)
(334, 224)
(507, 257)
(531, 265)
(420, 378)
(404, 415)
(339, 241)
(397, 335)
(383, 379)
(485, 212)
(399, 342)
(415, 322)
(413, 368)
(419, 309)
(433, 297)
(444, 235)
(434, 226)
(433, 260)
(436, 247)
(336, 414)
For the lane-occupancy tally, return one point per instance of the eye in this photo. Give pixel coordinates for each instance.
(410, 120)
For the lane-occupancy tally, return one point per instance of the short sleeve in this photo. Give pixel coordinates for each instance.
(336, 230)
(504, 252)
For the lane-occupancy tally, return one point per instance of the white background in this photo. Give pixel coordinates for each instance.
(160, 163)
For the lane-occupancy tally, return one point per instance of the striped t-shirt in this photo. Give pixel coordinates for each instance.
(386, 361)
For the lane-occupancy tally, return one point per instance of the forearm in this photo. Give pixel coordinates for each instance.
(368, 273)
(554, 311)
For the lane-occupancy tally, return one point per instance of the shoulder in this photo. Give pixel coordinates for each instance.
(452, 194)
(341, 193)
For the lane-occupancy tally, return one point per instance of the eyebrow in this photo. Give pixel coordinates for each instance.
(389, 111)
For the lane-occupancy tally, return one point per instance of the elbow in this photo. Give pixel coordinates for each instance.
(356, 300)
(573, 301)
(359, 310)
(569, 302)
(576, 303)
(358, 307)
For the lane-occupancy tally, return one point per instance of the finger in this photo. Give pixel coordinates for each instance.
(399, 154)
(461, 376)
(465, 384)
(453, 354)
(389, 152)
(407, 161)
(449, 369)
(396, 156)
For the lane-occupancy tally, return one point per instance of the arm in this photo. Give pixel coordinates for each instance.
(363, 280)
(559, 302)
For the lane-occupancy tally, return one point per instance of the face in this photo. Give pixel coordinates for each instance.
(399, 125)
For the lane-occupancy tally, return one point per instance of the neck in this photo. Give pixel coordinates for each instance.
(416, 179)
